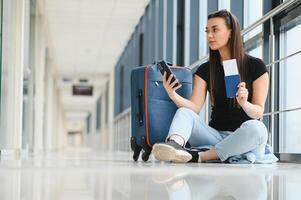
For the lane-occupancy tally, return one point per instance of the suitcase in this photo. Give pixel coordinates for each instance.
(151, 108)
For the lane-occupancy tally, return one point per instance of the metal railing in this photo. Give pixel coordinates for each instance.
(122, 131)
(122, 124)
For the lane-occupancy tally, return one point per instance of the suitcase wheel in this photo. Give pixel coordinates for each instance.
(136, 155)
(135, 148)
(145, 156)
(147, 149)
(145, 146)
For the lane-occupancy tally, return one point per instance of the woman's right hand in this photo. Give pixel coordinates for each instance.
(169, 87)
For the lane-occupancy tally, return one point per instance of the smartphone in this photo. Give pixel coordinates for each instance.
(163, 67)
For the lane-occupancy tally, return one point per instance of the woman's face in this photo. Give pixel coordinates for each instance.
(218, 33)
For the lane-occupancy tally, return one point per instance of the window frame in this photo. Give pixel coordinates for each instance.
(280, 19)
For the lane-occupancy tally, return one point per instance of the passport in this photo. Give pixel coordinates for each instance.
(232, 77)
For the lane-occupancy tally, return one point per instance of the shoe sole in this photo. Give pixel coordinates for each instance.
(165, 152)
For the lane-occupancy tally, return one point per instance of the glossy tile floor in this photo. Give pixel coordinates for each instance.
(82, 174)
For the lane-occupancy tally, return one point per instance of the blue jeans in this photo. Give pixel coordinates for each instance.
(250, 136)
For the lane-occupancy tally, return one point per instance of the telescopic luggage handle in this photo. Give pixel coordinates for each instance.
(168, 63)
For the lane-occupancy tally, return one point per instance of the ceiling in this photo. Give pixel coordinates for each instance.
(86, 39)
(88, 36)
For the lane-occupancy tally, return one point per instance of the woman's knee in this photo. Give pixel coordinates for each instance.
(256, 129)
(185, 111)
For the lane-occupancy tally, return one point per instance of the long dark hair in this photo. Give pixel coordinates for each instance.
(236, 51)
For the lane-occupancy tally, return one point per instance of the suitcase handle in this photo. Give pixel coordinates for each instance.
(140, 108)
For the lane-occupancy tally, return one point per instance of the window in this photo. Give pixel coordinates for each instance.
(170, 31)
(121, 89)
(224, 4)
(253, 10)
(257, 52)
(254, 46)
(289, 122)
(180, 32)
(203, 48)
(194, 31)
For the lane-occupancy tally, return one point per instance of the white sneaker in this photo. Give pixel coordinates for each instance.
(171, 151)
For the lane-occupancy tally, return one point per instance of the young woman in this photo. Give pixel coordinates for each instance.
(234, 128)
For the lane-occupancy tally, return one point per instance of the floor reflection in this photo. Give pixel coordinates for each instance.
(97, 178)
(182, 186)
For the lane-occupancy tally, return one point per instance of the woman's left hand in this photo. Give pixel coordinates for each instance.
(242, 94)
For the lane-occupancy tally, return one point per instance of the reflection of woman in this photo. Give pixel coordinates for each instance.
(234, 128)
(245, 187)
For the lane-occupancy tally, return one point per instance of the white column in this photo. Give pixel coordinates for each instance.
(39, 85)
(49, 130)
(61, 134)
(104, 137)
(93, 120)
(55, 116)
(111, 111)
(12, 74)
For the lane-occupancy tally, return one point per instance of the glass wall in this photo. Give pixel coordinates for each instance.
(203, 49)
(256, 52)
(254, 46)
(253, 10)
(194, 31)
(180, 32)
(170, 33)
(290, 79)
(224, 4)
(256, 42)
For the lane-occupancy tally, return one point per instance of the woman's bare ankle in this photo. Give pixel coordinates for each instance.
(208, 155)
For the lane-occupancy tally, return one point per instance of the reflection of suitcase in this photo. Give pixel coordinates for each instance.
(152, 109)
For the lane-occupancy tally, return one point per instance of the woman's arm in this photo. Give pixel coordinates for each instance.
(255, 108)
(198, 93)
